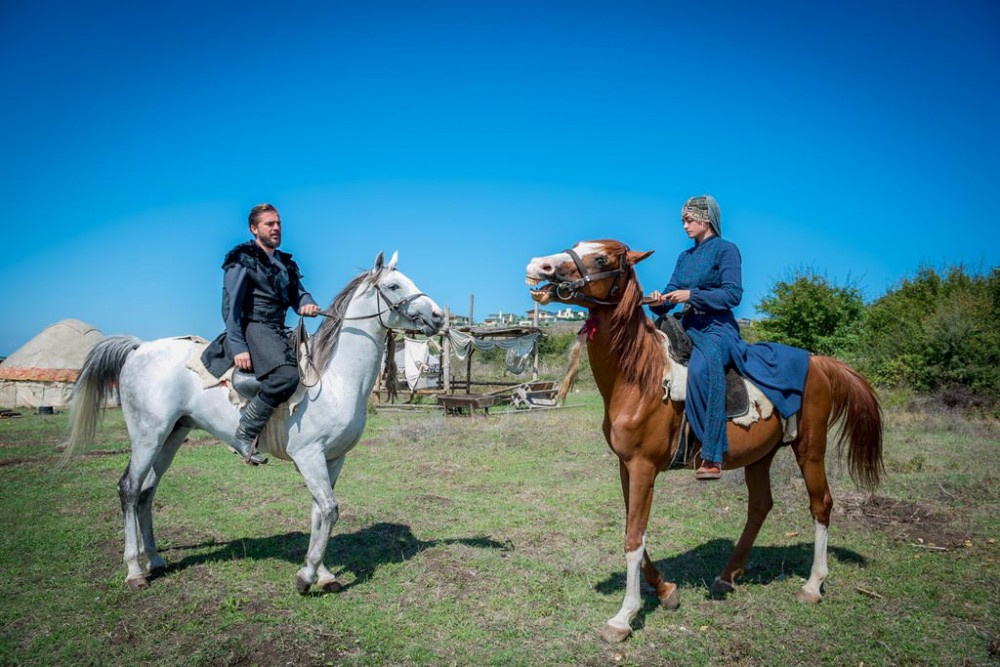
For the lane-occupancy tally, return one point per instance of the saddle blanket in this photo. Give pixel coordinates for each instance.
(756, 407)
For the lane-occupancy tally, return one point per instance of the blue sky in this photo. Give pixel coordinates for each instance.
(858, 140)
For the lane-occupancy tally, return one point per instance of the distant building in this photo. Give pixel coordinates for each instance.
(570, 315)
(500, 319)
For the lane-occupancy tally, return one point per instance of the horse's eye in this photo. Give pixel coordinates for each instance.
(393, 287)
(601, 261)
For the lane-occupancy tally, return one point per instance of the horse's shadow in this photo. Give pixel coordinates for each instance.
(698, 567)
(359, 553)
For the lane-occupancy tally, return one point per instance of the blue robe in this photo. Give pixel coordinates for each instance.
(712, 270)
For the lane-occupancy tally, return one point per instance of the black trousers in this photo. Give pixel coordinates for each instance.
(273, 362)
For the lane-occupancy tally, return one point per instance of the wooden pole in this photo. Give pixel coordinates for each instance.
(534, 360)
(472, 348)
(446, 352)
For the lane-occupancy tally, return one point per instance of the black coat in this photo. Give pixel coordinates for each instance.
(256, 291)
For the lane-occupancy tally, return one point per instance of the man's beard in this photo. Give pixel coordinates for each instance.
(266, 241)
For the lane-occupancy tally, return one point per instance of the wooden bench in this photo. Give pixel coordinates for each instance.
(456, 404)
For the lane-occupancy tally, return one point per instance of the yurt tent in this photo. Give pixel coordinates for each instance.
(43, 370)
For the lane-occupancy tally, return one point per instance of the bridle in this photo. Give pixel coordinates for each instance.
(392, 307)
(568, 290)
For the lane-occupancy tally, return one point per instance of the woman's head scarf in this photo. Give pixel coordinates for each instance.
(704, 209)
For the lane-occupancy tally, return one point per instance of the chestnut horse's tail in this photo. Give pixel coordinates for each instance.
(855, 402)
(572, 369)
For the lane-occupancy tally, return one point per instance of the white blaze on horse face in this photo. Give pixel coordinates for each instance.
(585, 248)
(548, 268)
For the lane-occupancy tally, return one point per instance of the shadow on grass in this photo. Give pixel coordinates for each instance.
(359, 553)
(698, 567)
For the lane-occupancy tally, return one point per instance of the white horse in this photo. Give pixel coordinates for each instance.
(162, 400)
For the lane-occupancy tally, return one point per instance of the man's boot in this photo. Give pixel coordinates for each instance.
(252, 422)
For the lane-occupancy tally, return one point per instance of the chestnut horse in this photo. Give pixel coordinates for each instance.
(627, 359)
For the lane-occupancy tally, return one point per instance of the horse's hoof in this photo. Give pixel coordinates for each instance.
(301, 585)
(720, 589)
(808, 597)
(331, 586)
(671, 600)
(615, 635)
(137, 584)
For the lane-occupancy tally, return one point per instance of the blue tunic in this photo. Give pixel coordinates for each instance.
(712, 270)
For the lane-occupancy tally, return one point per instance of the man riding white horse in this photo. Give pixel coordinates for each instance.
(261, 283)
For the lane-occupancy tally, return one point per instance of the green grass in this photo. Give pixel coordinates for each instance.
(494, 541)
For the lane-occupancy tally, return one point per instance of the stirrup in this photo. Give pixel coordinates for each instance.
(255, 459)
(251, 457)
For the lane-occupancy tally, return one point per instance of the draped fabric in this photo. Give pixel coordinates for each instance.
(415, 360)
(518, 349)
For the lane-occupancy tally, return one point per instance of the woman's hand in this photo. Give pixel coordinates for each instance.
(678, 296)
(309, 310)
(655, 298)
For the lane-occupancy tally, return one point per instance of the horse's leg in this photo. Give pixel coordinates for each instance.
(757, 476)
(665, 590)
(145, 504)
(326, 580)
(637, 486)
(316, 472)
(145, 449)
(811, 453)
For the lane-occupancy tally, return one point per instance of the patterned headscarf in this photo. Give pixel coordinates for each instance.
(704, 209)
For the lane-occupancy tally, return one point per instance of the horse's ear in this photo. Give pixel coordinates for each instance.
(392, 262)
(635, 257)
(379, 262)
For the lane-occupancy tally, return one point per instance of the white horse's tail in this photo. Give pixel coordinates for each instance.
(97, 382)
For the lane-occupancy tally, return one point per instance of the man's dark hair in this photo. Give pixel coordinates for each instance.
(259, 210)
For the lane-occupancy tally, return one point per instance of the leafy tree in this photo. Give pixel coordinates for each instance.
(936, 332)
(809, 312)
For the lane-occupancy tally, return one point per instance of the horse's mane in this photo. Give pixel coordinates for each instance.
(633, 336)
(326, 337)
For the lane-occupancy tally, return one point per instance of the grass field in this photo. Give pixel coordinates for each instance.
(495, 541)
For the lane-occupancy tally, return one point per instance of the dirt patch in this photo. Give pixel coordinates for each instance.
(905, 521)
(256, 631)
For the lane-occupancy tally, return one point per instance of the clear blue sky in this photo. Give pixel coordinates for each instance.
(856, 139)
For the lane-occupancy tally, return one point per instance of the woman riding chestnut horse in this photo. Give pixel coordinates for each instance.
(627, 358)
(708, 282)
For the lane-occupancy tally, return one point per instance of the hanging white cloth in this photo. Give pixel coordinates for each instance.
(415, 360)
(518, 349)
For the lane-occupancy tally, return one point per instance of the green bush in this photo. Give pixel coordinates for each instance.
(556, 344)
(936, 333)
(809, 312)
